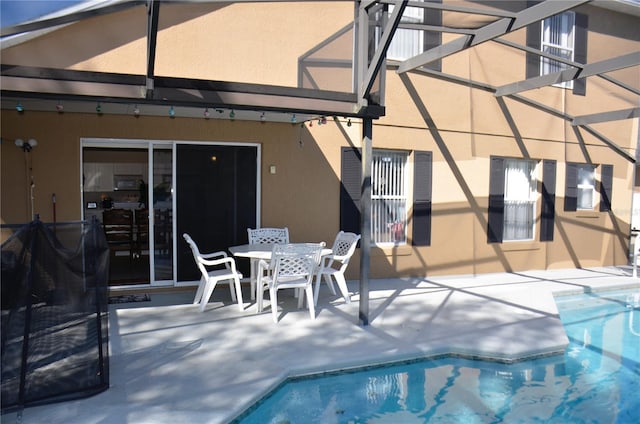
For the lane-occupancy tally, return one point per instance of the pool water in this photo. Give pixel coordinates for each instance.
(597, 380)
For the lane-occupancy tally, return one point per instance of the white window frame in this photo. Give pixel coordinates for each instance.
(558, 38)
(586, 184)
(389, 197)
(407, 43)
(520, 198)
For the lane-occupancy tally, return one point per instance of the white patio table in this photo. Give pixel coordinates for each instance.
(262, 251)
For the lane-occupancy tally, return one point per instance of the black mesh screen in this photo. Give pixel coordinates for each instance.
(54, 314)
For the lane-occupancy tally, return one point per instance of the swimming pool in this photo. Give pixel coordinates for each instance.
(597, 380)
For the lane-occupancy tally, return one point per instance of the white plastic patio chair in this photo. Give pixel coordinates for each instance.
(334, 265)
(215, 267)
(264, 236)
(292, 266)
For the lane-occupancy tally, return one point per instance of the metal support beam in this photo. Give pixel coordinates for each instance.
(615, 115)
(152, 35)
(609, 65)
(581, 71)
(64, 84)
(619, 150)
(361, 51)
(566, 62)
(489, 32)
(379, 56)
(452, 7)
(365, 220)
(529, 102)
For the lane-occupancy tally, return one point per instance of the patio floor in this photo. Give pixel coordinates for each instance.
(172, 364)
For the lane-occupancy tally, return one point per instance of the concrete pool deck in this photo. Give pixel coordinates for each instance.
(169, 363)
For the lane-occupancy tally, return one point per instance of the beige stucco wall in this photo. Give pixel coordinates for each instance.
(225, 42)
(461, 125)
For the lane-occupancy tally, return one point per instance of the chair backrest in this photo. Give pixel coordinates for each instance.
(197, 256)
(344, 246)
(268, 235)
(296, 260)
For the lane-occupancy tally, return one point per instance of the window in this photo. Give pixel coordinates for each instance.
(513, 196)
(388, 197)
(558, 39)
(407, 43)
(391, 179)
(563, 35)
(580, 190)
(519, 199)
(586, 186)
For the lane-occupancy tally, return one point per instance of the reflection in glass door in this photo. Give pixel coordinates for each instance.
(132, 180)
(161, 192)
(114, 181)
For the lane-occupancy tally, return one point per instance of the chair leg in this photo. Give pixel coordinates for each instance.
(342, 285)
(312, 309)
(316, 290)
(253, 276)
(231, 289)
(327, 279)
(273, 294)
(199, 292)
(260, 296)
(208, 290)
(239, 293)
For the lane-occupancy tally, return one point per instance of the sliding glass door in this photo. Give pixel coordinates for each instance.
(164, 189)
(216, 199)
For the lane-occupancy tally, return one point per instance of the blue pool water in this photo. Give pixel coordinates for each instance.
(597, 380)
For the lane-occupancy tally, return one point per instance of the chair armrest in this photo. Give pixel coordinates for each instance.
(226, 261)
(214, 255)
(326, 260)
(263, 266)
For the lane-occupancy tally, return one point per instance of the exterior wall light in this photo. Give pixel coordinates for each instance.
(26, 145)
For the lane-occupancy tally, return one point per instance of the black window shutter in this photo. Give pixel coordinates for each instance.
(534, 34)
(580, 51)
(350, 186)
(571, 188)
(496, 200)
(548, 212)
(433, 39)
(606, 186)
(422, 177)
